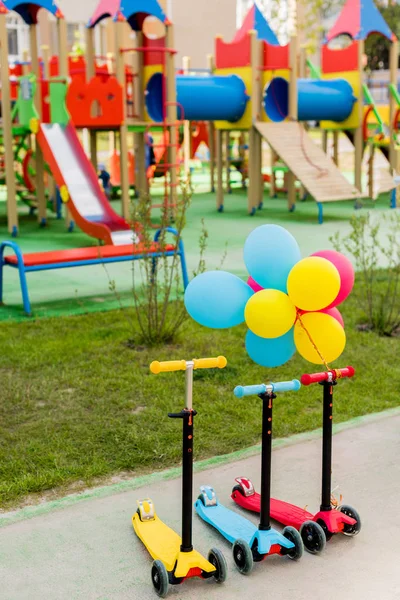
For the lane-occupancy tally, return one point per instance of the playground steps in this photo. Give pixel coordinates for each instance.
(309, 163)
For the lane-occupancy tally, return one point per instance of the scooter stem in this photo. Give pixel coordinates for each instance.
(266, 453)
(327, 444)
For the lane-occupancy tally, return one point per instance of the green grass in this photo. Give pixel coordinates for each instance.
(77, 404)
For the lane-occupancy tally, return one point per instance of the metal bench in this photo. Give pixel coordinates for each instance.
(80, 257)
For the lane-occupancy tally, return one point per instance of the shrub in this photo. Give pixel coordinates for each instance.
(372, 250)
(157, 288)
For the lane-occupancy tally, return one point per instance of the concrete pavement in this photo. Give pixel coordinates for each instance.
(88, 550)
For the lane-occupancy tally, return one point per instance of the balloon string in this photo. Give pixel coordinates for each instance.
(299, 319)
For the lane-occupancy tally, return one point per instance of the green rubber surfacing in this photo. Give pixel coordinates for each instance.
(86, 289)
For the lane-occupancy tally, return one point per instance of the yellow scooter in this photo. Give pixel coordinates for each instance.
(174, 557)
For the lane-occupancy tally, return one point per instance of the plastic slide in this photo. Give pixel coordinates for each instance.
(214, 98)
(87, 202)
(318, 100)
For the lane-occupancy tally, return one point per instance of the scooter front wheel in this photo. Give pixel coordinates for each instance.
(243, 556)
(159, 578)
(217, 559)
(293, 536)
(351, 512)
(313, 537)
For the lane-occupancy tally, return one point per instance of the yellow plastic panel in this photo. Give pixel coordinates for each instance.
(352, 122)
(245, 122)
(267, 77)
(148, 72)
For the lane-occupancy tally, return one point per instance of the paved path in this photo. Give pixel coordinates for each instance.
(88, 550)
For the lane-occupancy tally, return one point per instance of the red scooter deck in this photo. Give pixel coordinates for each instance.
(283, 512)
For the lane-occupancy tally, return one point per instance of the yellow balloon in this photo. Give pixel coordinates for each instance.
(326, 334)
(270, 314)
(313, 283)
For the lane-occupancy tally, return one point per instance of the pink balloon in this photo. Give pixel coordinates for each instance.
(346, 272)
(254, 285)
(333, 312)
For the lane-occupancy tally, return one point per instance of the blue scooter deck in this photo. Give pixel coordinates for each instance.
(233, 526)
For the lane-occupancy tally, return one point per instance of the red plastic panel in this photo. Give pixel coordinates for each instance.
(153, 56)
(98, 103)
(236, 54)
(338, 61)
(276, 57)
(36, 259)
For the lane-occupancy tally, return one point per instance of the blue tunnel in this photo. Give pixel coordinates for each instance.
(318, 100)
(213, 98)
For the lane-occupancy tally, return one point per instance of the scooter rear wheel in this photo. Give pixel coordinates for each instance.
(217, 559)
(294, 536)
(313, 537)
(243, 556)
(351, 512)
(159, 578)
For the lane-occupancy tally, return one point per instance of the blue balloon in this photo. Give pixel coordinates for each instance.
(217, 299)
(270, 352)
(270, 253)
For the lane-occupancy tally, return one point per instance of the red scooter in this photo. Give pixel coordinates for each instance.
(314, 529)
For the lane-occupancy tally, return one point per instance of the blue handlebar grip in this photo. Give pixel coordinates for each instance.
(254, 390)
(287, 386)
(249, 390)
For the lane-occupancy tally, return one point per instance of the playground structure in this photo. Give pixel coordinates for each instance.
(251, 88)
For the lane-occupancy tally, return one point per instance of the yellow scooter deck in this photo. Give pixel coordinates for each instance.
(163, 543)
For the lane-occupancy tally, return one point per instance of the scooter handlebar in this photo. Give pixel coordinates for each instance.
(181, 365)
(210, 363)
(254, 390)
(309, 379)
(168, 366)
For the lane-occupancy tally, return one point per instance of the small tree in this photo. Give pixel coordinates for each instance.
(378, 292)
(157, 288)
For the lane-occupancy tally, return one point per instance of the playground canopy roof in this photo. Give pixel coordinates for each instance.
(358, 19)
(256, 21)
(29, 10)
(3, 9)
(133, 11)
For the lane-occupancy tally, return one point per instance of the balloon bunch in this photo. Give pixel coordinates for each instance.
(287, 302)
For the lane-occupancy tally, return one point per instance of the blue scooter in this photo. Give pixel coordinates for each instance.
(252, 544)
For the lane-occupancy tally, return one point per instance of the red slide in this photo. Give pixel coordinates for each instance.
(88, 204)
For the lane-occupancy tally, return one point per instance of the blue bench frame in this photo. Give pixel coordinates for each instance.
(23, 269)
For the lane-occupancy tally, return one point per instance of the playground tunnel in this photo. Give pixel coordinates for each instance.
(318, 100)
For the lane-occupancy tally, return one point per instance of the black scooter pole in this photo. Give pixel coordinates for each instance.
(327, 444)
(266, 454)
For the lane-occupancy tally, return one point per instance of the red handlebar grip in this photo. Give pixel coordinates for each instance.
(334, 375)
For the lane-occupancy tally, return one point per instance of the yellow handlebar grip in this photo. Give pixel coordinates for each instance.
(165, 367)
(210, 363)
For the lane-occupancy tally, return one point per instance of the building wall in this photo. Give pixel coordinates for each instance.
(196, 22)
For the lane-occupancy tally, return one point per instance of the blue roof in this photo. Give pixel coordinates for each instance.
(29, 10)
(255, 20)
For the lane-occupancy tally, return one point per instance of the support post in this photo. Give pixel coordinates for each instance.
(358, 134)
(141, 181)
(90, 73)
(211, 133)
(393, 65)
(220, 167)
(172, 116)
(336, 147)
(40, 191)
(254, 137)
(46, 73)
(187, 135)
(228, 161)
(120, 68)
(293, 113)
(12, 213)
(64, 73)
